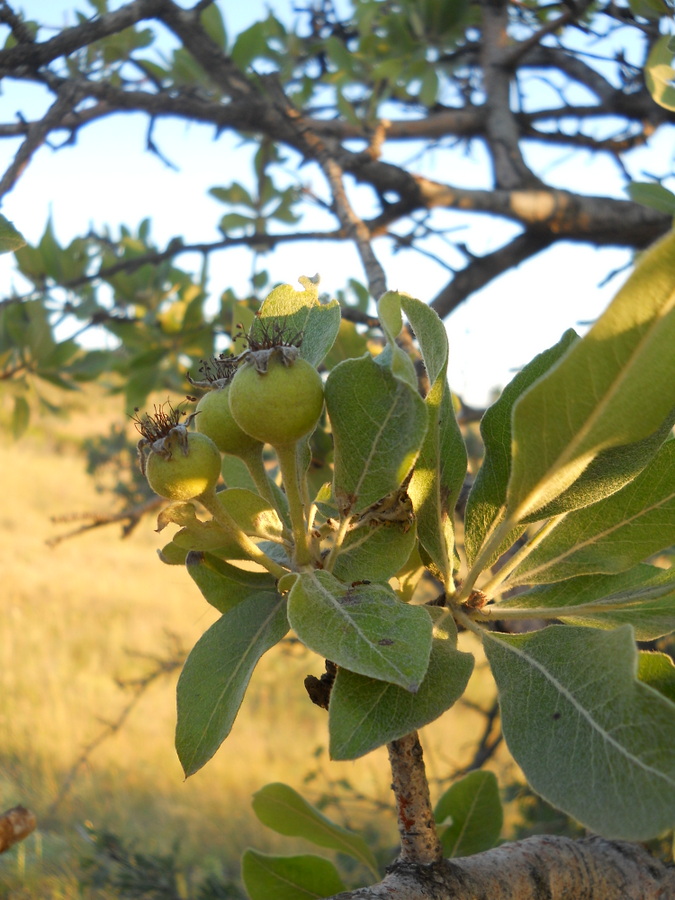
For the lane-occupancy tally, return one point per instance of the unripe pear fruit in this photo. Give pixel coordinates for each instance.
(278, 406)
(215, 420)
(184, 469)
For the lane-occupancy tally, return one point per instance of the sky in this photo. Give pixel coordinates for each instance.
(107, 178)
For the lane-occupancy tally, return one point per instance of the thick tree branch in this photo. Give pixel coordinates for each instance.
(501, 128)
(483, 269)
(27, 57)
(539, 868)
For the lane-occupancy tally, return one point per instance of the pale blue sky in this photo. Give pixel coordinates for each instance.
(108, 178)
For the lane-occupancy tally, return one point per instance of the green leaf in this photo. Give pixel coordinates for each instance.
(486, 505)
(211, 20)
(252, 513)
(173, 555)
(365, 713)
(612, 535)
(235, 194)
(195, 534)
(281, 808)
(653, 195)
(389, 313)
(288, 877)
(249, 45)
(223, 585)
(614, 387)
(214, 679)
(378, 423)
(302, 313)
(364, 628)
(608, 473)
(441, 466)
(233, 221)
(10, 238)
(659, 73)
(643, 597)
(375, 552)
(475, 810)
(657, 670)
(590, 738)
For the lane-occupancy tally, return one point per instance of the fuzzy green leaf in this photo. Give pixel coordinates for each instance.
(612, 535)
(486, 505)
(288, 877)
(223, 585)
(441, 466)
(365, 713)
(301, 313)
(607, 474)
(614, 387)
(214, 679)
(364, 628)
(375, 552)
(475, 810)
(281, 808)
(252, 513)
(658, 671)
(643, 597)
(378, 423)
(590, 738)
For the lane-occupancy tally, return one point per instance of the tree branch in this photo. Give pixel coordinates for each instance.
(501, 128)
(416, 825)
(482, 269)
(27, 57)
(66, 100)
(539, 868)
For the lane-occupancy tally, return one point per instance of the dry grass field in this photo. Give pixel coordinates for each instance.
(77, 616)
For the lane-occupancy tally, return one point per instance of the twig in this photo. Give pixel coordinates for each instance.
(66, 99)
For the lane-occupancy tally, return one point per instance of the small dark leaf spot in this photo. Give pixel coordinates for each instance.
(385, 642)
(556, 716)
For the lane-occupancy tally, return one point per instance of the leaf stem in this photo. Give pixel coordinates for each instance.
(288, 464)
(337, 544)
(256, 467)
(481, 561)
(210, 501)
(522, 554)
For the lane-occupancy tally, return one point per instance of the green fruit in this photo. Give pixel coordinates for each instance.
(177, 475)
(279, 406)
(215, 421)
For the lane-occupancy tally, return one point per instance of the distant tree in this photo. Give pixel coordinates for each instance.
(578, 469)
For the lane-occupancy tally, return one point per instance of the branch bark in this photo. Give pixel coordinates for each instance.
(539, 868)
(15, 825)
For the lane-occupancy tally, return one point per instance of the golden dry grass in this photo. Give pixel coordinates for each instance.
(72, 618)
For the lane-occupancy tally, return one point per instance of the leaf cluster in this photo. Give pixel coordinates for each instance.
(573, 502)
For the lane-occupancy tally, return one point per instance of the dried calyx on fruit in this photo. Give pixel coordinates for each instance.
(276, 396)
(178, 464)
(268, 340)
(216, 372)
(215, 419)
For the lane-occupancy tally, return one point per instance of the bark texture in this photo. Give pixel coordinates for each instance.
(539, 868)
